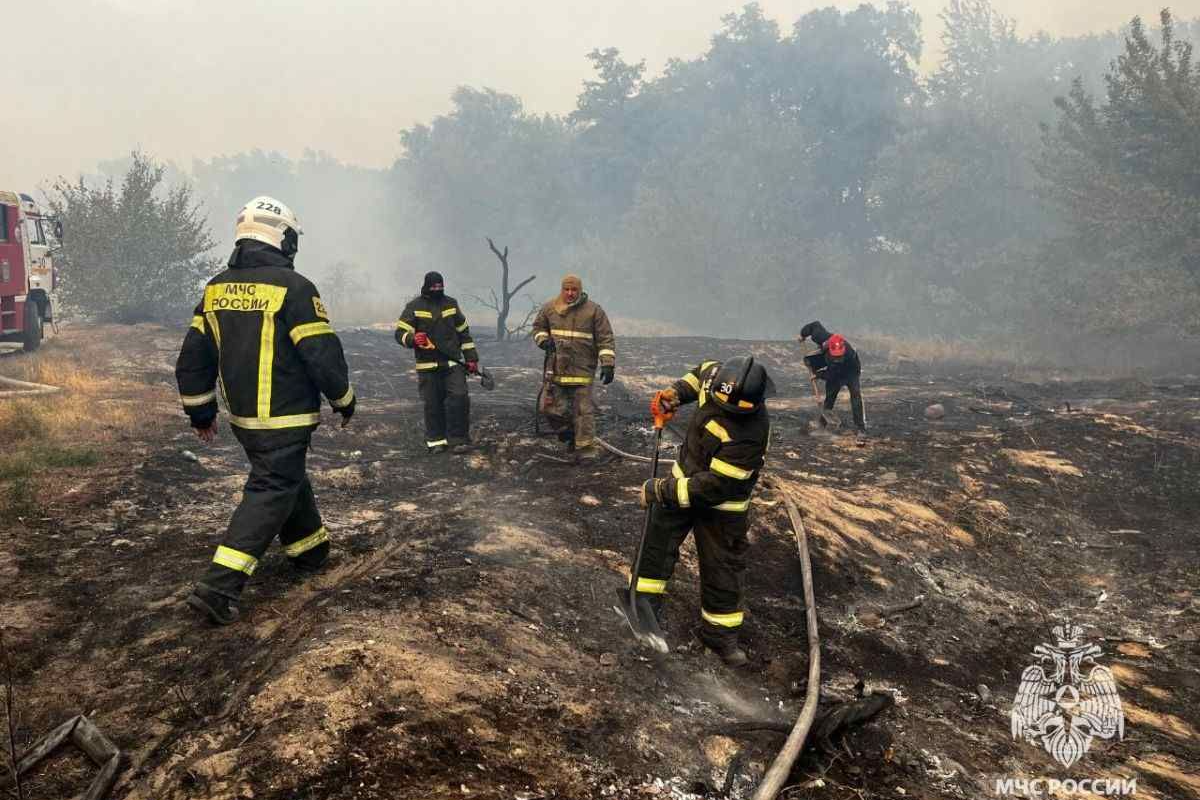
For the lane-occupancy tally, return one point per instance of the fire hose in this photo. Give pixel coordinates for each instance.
(24, 388)
(781, 767)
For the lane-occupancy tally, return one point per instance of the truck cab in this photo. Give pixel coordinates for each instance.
(28, 238)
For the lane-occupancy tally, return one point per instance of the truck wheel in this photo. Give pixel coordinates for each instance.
(32, 338)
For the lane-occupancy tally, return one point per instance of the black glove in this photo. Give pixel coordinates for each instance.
(347, 411)
(547, 344)
(606, 375)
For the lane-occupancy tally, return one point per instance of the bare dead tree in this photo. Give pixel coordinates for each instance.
(526, 326)
(502, 304)
(10, 715)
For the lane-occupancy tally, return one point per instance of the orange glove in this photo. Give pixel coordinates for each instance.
(663, 406)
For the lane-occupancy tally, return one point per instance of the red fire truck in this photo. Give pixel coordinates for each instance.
(27, 277)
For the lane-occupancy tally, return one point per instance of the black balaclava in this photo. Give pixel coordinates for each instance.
(432, 278)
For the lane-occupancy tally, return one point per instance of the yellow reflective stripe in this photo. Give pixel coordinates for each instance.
(737, 506)
(607, 352)
(717, 430)
(273, 423)
(345, 399)
(461, 328)
(216, 328)
(468, 346)
(449, 312)
(404, 326)
(198, 323)
(724, 620)
(427, 365)
(681, 493)
(540, 336)
(566, 380)
(706, 365)
(307, 543)
(651, 586)
(235, 559)
(423, 314)
(309, 329)
(190, 400)
(266, 364)
(677, 470)
(692, 381)
(563, 334)
(439, 441)
(729, 470)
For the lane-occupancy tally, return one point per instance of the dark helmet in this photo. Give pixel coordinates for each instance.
(741, 386)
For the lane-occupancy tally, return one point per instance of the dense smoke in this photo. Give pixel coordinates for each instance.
(823, 167)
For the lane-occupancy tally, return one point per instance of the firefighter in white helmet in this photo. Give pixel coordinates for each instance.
(262, 333)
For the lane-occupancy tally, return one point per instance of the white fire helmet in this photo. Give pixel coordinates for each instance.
(265, 219)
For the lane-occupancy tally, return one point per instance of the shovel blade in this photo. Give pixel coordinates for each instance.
(641, 622)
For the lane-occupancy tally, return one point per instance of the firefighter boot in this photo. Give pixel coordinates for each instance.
(567, 437)
(725, 644)
(217, 607)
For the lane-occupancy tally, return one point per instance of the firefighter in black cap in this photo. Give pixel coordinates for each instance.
(262, 333)
(434, 327)
(708, 494)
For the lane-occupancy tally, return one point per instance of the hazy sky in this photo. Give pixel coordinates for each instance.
(198, 78)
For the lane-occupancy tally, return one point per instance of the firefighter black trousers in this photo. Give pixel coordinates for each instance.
(278, 501)
(447, 404)
(833, 387)
(721, 544)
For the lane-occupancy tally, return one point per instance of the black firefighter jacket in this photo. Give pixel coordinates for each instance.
(723, 453)
(443, 322)
(836, 371)
(262, 333)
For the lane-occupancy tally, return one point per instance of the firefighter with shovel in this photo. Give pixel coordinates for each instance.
(434, 327)
(708, 494)
(838, 364)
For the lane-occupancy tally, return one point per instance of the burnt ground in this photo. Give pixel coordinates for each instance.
(462, 644)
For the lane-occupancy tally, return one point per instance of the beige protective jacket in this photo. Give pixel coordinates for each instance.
(583, 339)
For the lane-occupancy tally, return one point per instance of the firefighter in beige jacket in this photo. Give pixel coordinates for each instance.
(577, 337)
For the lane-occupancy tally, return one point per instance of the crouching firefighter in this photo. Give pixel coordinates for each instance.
(434, 327)
(838, 364)
(577, 336)
(709, 495)
(262, 333)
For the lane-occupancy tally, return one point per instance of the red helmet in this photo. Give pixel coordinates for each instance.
(836, 346)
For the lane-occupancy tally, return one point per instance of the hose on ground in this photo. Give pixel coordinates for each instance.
(24, 388)
(781, 767)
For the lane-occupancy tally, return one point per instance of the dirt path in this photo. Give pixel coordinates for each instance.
(462, 645)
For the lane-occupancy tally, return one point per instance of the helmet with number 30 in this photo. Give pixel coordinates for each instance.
(741, 386)
(265, 219)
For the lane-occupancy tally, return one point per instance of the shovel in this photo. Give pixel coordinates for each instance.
(640, 615)
(485, 378)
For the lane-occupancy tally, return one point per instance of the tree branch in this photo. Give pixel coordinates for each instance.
(522, 285)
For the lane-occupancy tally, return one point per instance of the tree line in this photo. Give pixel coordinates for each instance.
(1027, 184)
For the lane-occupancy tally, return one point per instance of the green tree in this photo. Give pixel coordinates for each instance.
(1126, 174)
(488, 168)
(133, 252)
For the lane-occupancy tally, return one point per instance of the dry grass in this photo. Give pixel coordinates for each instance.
(896, 349)
(47, 435)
